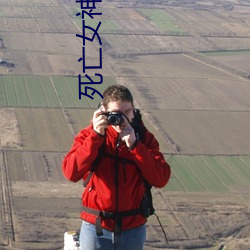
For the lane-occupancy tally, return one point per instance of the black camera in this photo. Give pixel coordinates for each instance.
(114, 118)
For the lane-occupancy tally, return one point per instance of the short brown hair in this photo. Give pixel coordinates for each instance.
(116, 93)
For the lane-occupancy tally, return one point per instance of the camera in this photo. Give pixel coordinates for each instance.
(114, 118)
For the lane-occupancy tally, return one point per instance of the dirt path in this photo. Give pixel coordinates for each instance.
(7, 227)
(9, 135)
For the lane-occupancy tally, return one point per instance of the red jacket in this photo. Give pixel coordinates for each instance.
(101, 192)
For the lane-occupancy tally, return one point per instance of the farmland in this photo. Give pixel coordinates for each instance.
(187, 64)
(209, 173)
(46, 91)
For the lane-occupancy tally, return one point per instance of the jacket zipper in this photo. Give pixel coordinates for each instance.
(124, 171)
(116, 166)
(116, 177)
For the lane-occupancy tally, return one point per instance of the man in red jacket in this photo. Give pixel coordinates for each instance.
(113, 197)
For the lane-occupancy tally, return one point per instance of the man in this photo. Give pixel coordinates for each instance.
(113, 197)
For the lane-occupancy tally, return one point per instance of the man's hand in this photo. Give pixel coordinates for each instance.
(100, 122)
(127, 133)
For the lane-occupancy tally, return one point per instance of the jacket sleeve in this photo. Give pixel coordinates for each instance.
(151, 161)
(83, 152)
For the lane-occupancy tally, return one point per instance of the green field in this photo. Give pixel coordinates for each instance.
(155, 15)
(208, 173)
(161, 19)
(106, 25)
(47, 91)
(226, 53)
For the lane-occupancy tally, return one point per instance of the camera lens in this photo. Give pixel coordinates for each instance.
(114, 120)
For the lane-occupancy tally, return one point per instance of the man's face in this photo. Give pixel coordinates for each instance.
(124, 107)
